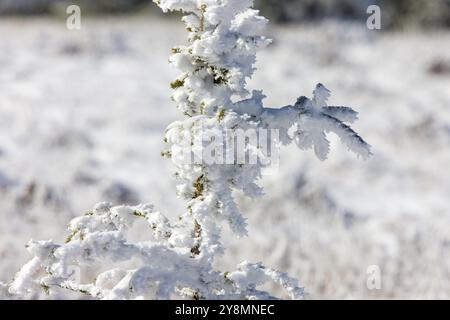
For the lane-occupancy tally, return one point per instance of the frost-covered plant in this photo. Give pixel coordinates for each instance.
(177, 261)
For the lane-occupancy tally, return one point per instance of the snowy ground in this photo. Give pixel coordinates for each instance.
(82, 116)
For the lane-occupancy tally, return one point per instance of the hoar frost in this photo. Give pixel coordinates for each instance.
(101, 261)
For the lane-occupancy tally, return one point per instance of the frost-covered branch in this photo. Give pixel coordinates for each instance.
(163, 271)
(177, 260)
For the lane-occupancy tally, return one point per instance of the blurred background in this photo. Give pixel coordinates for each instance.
(82, 116)
(399, 13)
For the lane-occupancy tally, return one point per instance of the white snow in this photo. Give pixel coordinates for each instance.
(82, 116)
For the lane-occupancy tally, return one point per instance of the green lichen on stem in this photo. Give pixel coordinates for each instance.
(177, 84)
(72, 236)
(221, 114)
(199, 186)
(195, 251)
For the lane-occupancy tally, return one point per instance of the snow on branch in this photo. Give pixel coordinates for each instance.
(162, 271)
(317, 119)
(313, 119)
